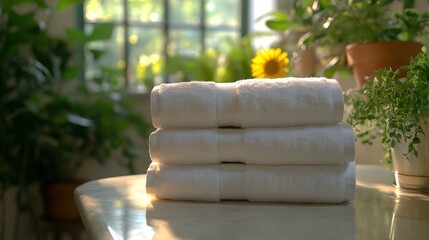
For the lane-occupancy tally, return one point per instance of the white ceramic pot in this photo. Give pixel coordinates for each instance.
(412, 174)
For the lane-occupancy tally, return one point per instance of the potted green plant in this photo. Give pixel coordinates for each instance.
(76, 125)
(397, 110)
(364, 35)
(297, 29)
(374, 37)
(50, 123)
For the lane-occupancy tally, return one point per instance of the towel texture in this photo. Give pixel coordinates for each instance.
(247, 103)
(332, 144)
(287, 183)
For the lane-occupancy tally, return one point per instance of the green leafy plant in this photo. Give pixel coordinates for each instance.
(43, 108)
(361, 21)
(332, 24)
(306, 20)
(25, 64)
(51, 123)
(410, 25)
(393, 107)
(305, 17)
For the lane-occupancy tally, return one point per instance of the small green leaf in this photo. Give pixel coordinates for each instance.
(102, 31)
(411, 13)
(71, 73)
(325, 3)
(408, 4)
(23, 22)
(278, 15)
(307, 3)
(279, 25)
(96, 54)
(76, 35)
(329, 72)
(65, 4)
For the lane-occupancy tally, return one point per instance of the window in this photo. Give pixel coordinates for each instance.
(151, 32)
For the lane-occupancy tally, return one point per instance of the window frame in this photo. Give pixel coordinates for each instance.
(166, 26)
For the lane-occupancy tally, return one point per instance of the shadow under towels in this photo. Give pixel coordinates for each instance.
(247, 103)
(286, 183)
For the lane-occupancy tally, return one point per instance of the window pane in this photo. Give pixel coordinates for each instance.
(215, 38)
(145, 59)
(111, 53)
(223, 12)
(146, 34)
(184, 42)
(185, 11)
(145, 10)
(103, 10)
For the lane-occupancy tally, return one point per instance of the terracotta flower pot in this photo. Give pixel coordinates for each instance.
(306, 63)
(365, 58)
(412, 174)
(58, 201)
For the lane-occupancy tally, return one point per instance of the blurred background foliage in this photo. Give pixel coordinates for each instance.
(202, 40)
(228, 62)
(51, 123)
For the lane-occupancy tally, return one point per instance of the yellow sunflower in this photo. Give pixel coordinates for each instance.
(271, 63)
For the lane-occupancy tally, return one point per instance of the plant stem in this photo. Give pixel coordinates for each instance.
(3, 149)
(3, 209)
(17, 223)
(21, 188)
(33, 216)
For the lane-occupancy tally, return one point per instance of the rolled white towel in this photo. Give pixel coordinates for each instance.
(287, 183)
(247, 103)
(330, 144)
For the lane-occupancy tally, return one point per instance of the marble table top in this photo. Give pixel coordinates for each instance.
(118, 208)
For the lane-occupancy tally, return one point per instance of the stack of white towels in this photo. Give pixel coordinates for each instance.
(260, 140)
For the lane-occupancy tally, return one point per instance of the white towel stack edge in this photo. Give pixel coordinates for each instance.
(331, 144)
(247, 103)
(286, 145)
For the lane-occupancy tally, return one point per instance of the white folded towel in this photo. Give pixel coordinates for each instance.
(247, 103)
(287, 183)
(330, 144)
